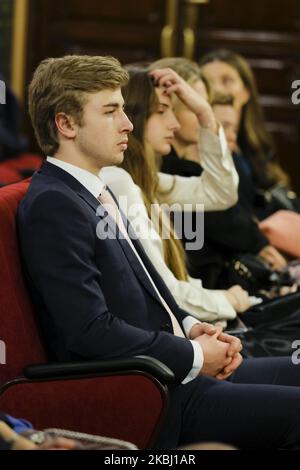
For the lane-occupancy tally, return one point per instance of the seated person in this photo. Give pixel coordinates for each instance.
(98, 296)
(229, 73)
(136, 184)
(15, 163)
(11, 141)
(240, 232)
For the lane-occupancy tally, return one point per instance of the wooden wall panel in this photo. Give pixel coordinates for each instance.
(6, 7)
(266, 32)
(129, 30)
(264, 15)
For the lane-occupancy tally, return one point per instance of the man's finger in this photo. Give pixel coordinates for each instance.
(235, 344)
(222, 376)
(219, 330)
(208, 329)
(235, 363)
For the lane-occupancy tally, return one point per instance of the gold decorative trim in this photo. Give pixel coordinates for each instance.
(19, 38)
(188, 43)
(197, 1)
(167, 39)
(190, 26)
(191, 11)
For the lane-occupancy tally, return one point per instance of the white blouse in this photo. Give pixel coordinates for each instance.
(217, 186)
(205, 304)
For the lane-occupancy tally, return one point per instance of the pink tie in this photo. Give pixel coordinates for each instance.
(109, 204)
(111, 207)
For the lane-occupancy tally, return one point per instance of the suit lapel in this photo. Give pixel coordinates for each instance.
(114, 230)
(101, 212)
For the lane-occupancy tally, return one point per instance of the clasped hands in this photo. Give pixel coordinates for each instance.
(221, 351)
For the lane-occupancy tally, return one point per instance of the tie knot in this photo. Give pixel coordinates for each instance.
(111, 208)
(104, 188)
(105, 197)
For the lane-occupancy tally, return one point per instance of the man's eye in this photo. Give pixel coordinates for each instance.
(110, 112)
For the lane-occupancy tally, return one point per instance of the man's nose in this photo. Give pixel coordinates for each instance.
(127, 125)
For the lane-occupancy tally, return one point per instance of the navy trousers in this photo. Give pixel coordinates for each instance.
(257, 408)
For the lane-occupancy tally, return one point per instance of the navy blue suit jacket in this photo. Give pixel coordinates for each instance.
(92, 296)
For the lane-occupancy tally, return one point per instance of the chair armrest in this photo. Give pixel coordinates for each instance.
(144, 364)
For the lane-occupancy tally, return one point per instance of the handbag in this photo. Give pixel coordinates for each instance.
(279, 197)
(270, 328)
(283, 231)
(254, 275)
(271, 338)
(273, 310)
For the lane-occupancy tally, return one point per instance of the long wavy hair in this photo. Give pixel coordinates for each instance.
(142, 164)
(253, 138)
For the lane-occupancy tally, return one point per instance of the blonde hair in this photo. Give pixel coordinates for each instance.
(141, 163)
(62, 85)
(186, 69)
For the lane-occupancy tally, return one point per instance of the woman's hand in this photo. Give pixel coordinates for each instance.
(173, 83)
(238, 297)
(273, 257)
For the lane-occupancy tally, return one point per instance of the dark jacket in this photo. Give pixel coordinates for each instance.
(225, 232)
(93, 298)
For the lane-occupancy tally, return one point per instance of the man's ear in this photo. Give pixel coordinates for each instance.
(65, 125)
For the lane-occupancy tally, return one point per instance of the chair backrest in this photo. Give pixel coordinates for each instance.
(19, 337)
(20, 167)
(128, 407)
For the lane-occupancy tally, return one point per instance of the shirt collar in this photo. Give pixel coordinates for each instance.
(91, 182)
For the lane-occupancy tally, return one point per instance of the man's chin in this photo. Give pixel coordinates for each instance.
(118, 159)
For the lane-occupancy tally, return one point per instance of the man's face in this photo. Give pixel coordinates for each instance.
(103, 134)
(227, 116)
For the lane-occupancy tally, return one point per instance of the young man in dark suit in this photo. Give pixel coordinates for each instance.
(96, 293)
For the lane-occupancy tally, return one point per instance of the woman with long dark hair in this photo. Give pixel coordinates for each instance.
(150, 109)
(229, 73)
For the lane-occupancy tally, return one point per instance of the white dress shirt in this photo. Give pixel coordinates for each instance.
(95, 186)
